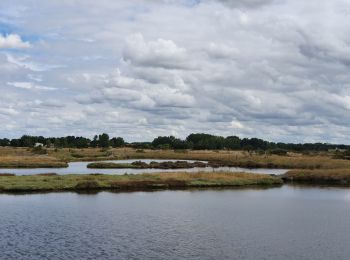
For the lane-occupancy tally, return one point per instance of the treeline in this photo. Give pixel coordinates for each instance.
(193, 141)
(212, 142)
(102, 140)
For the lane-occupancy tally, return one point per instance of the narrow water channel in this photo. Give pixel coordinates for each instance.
(80, 168)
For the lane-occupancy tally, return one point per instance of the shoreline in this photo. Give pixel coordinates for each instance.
(51, 182)
(154, 181)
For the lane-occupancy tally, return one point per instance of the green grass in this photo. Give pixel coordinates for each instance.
(133, 182)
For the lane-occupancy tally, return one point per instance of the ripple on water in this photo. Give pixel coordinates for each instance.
(280, 223)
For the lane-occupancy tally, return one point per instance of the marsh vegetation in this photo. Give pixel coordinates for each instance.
(25, 157)
(133, 182)
(313, 167)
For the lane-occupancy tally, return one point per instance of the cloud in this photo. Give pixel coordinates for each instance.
(159, 53)
(236, 125)
(29, 85)
(221, 51)
(272, 69)
(246, 3)
(12, 41)
(8, 111)
(23, 61)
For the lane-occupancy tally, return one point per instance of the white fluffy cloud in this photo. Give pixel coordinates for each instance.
(12, 41)
(159, 53)
(29, 85)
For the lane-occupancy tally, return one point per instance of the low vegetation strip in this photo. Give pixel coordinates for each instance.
(226, 158)
(133, 182)
(255, 161)
(151, 165)
(25, 158)
(111, 165)
(319, 176)
(31, 162)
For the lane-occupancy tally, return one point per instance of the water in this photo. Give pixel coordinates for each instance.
(280, 223)
(80, 168)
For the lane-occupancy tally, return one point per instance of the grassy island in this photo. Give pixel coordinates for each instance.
(51, 182)
(151, 165)
(319, 176)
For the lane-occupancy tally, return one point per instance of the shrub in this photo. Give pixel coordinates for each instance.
(87, 185)
(39, 150)
(278, 152)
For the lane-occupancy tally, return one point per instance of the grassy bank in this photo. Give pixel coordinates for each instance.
(133, 182)
(319, 176)
(31, 162)
(23, 157)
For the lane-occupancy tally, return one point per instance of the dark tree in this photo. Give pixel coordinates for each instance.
(103, 140)
(117, 142)
(94, 142)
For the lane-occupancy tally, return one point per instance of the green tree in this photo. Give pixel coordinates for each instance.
(94, 142)
(103, 140)
(117, 142)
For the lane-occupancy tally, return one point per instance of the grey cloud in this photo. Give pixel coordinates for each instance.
(159, 53)
(251, 68)
(246, 3)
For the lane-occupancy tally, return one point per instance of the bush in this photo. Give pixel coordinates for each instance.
(181, 151)
(39, 150)
(278, 152)
(87, 185)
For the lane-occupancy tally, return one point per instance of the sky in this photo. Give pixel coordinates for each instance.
(272, 69)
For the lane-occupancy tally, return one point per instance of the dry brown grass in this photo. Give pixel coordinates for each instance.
(209, 176)
(91, 154)
(15, 151)
(232, 158)
(319, 176)
(133, 182)
(30, 162)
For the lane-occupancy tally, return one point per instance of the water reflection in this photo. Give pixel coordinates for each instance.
(80, 168)
(288, 222)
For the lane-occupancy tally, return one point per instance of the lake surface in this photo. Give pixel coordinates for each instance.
(280, 223)
(80, 168)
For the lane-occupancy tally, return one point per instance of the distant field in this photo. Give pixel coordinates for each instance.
(24, 157)
(234, 158)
